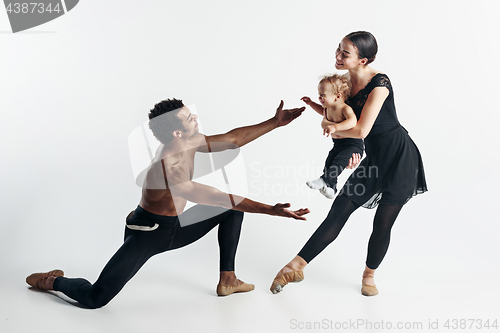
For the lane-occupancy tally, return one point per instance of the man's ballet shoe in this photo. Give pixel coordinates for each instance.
(240, 287)
(282, 279)
(368, 290)
(39, 280)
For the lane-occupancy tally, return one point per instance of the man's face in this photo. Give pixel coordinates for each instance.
(189, 122)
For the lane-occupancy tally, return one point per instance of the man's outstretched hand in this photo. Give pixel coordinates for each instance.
(284, 117)
(282, 210)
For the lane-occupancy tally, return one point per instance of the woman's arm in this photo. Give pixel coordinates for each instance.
(349, 122)
(350, 119)
(369, 113)
(325, 122)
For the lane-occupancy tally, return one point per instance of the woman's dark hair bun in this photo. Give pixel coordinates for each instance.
(366, 44)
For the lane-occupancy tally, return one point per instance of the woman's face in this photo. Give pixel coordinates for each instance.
(346, 55)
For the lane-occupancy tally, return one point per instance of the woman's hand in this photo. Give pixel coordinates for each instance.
(354, 161)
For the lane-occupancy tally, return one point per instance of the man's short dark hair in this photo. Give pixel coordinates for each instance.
(163, 122)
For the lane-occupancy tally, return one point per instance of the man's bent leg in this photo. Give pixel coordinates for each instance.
(229, 236)
(117, 272)
(229, 222)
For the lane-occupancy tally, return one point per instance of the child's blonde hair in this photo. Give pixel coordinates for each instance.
(339, 83)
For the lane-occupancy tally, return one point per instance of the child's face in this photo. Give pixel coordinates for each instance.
(327, 96)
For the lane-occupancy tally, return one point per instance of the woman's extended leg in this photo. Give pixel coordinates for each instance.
(378, 244)
(326, 233)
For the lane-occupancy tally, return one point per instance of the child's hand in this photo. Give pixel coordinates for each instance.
(330, 129)
(306, 100)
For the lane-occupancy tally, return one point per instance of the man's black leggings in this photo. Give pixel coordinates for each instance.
(341, 209)
(148, 234)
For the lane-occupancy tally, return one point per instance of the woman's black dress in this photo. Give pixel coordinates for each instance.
(392, 172)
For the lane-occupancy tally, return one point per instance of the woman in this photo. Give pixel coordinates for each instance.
(388, 177)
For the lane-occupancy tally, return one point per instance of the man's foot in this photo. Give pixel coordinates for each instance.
(237, 286)
(284, 277)
(316, 184)
(44, 281)
(328, 192)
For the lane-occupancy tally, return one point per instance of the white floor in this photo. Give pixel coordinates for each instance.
(431, 273)
(73, 90)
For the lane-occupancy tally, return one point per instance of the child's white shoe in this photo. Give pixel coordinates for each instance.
(316, 184)
(328, 192)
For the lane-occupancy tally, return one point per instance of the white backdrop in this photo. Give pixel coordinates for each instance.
(72, 90)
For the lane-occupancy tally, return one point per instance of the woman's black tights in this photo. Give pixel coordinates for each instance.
(341, 209)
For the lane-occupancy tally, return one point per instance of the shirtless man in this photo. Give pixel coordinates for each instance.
(153, 227)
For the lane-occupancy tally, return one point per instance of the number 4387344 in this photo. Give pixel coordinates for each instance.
(470, 323)
(32, 7)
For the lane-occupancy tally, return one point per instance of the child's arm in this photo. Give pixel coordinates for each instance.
(315, 106)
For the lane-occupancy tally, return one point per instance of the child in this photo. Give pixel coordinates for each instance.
(337, 116)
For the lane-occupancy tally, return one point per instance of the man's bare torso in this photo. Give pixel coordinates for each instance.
(157, 196)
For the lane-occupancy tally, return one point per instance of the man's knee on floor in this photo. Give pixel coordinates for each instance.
(97, 299)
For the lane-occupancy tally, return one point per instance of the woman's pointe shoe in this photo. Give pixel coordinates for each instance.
(368, 290)
(282, 279)
(238, 287)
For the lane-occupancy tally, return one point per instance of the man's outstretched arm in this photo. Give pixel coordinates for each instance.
(180, 185)
(239, 137)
